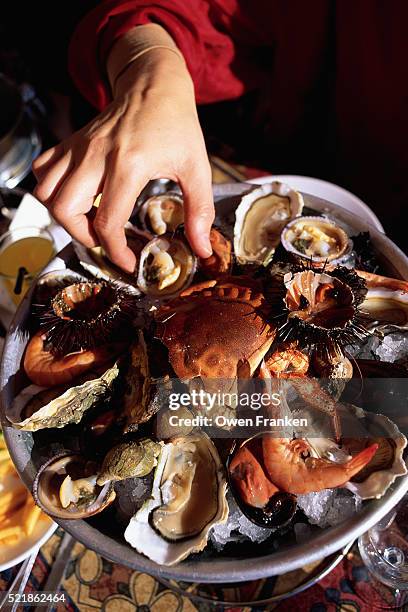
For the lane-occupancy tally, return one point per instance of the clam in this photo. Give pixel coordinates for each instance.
(96, 262)
(132, 459)
(66, 488)
(258, 498)
(167, 266)
(162, 213)
(41, 408)
(260, 218)
(187, 499)
(316, 238)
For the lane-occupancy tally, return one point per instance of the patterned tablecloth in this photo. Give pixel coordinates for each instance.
(92, 583)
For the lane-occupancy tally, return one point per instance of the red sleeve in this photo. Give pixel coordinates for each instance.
(200, 29)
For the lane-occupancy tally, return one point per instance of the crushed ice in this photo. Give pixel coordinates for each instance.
(329, 507)
(237, 528)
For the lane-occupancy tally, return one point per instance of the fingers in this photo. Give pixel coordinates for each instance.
(46, 159)
(75, 199)
(120, 191)
(198, 208)
(52, 178)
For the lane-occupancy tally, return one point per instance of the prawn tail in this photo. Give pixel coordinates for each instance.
(361, 460)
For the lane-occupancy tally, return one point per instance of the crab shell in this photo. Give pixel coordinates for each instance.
(216, 330)
(260, 218)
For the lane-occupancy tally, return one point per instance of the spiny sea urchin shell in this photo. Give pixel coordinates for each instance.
(86, 314)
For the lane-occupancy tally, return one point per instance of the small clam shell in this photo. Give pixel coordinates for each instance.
(260, 218)
(162, 213)
(47, 486)
(316, 238)
(167, 266)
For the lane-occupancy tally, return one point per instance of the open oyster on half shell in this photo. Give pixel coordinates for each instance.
(260, 218)
(188, 498)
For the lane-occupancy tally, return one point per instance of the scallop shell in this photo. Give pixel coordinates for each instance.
(260, 218)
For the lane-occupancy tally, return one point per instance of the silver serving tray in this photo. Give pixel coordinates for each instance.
(202, 568)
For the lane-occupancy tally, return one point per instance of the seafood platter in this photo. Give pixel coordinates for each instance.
(299, 297)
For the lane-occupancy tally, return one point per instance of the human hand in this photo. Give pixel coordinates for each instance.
(150, 130)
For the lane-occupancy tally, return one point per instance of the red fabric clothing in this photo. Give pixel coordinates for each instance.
(349, 57)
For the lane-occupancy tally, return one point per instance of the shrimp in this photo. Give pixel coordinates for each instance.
(290, 469)
(249, 478)
(45, 369)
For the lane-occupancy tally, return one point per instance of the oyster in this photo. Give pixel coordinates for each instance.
(162, 213)
(41, 408)
(188, 498)
(132, 459)
(167, 266)
(385, 305)
(316, 238)
(260, 218)
(66, 488)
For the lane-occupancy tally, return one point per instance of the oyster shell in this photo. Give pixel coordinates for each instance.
(132, 459)
(316, 237)
(188, 498)
(167, 266)
(386, 305)
(162, 213)
(260, 218)
(65, 488)
(41, 408)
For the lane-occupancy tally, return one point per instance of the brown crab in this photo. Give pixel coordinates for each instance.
(216, 329)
